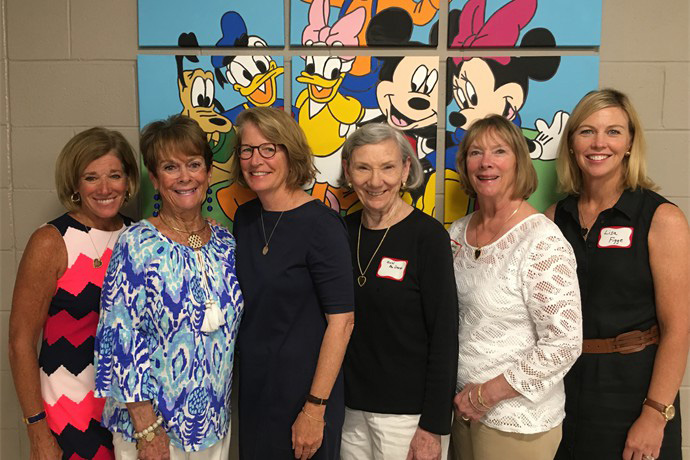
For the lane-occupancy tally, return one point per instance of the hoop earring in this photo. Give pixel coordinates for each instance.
(209, 199)
(75, 198)
(156, 204)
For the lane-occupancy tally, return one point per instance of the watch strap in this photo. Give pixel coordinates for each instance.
(34, 418)
(658, 406)
(318, 401)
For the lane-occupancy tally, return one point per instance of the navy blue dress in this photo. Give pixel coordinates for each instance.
(604, 392)
(306, 274)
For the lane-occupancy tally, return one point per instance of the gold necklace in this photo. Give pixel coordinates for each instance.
(193, 240)
(362, 279)
(264, 250)
(97, 262)
(478, 251)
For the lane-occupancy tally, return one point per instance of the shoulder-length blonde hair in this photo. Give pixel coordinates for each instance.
(84, 148)
(635, 165)
(279, 128)
(525, 175)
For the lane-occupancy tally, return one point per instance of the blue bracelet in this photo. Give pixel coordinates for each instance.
(35, 418)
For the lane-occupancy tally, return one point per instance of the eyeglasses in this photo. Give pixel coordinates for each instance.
(245, 151)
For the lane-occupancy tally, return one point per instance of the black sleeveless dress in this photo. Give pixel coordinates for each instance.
(604, 392)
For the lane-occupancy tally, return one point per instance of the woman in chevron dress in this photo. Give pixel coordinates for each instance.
(57, 292)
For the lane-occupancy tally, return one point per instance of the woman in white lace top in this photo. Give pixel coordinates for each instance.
(519, 305)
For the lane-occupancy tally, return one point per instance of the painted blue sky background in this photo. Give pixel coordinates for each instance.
(158, 93)
(572, 22)
(162, 21)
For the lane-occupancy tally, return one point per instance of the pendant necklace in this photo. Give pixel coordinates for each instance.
(584, 228)
(98, 262)
(478, 250)
(264, 250)
(362, 279)
(194, 239)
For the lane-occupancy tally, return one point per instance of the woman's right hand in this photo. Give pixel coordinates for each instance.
(42, 443)
(157, 449)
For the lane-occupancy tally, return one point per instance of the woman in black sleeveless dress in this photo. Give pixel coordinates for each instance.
(633, 249)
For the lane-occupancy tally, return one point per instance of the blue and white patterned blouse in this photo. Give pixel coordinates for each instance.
(149, 345)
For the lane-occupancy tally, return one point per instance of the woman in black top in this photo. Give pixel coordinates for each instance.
(293, 265)
(633, 255)
(401, 363)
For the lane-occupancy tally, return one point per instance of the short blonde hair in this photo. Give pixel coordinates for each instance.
(569, 174)
(279, 128)
(177, 133)
(84, 148)
(525, 175)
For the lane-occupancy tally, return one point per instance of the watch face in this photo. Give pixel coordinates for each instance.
(670, 412)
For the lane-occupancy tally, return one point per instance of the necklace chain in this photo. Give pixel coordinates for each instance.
(194, 239)
(362, 279)
(98, 262)
(264, 250)
(478, 250)
(584, 228)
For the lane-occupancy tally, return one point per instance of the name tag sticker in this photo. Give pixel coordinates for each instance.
(392, 269)
(615, 237)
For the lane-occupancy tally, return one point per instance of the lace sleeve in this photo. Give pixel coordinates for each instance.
(552, 296)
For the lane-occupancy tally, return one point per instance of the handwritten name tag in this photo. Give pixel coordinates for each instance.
(392, 269)
(615, 237)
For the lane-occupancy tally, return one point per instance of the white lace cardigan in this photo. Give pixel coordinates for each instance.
(520, 316)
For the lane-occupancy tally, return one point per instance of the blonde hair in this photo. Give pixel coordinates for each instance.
(635, 165)
(84, 148)
(279, 128)
(525, 175)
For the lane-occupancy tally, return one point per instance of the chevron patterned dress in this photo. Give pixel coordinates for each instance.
(67, 351)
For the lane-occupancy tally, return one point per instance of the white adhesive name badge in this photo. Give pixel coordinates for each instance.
(615, 237)
(393, 269)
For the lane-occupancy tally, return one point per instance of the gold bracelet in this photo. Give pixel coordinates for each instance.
(312, 417)
(469, 398)
(480, 399)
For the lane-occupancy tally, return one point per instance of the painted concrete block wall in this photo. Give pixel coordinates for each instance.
(66, 65)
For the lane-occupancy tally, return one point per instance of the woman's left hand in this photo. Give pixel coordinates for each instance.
(307, 433)
(645, 436)
(424, 446)
(464, 409)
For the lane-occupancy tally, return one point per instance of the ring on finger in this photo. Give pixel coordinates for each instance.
(648, 457)
(465, 418)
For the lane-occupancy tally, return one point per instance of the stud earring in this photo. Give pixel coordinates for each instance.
(209, 199)
(627, 154)
(127, 196)
(403, 187)
(571, 151)
(156, 204)
(75, 198)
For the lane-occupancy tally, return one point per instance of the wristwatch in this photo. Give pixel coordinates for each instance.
(667, 411)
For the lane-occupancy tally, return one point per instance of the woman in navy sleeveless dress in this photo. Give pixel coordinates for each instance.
(632, 248)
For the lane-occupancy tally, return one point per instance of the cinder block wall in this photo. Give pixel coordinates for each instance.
(66, 65)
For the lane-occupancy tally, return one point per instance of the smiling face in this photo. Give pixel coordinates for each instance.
(182, 181)
(377, 172)
(600, 143)
(475, 93)
(409, 100)
(491, 167)
(263, 175)
(102, 188)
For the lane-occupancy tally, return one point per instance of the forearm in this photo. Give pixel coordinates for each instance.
(331, 356)
(26, 375)
(142, 414)
(669, 365)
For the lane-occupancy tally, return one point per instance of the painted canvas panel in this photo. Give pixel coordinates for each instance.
(162, 21)
(403, 93)
(507, 24)
(212, 90)
(406, 23)
(536, 93)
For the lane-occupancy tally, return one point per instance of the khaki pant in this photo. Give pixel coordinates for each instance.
(476, 441)
(125, 450)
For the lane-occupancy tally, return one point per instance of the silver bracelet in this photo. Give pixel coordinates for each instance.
(148, 432)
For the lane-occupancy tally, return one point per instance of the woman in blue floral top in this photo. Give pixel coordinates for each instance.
(171, 306)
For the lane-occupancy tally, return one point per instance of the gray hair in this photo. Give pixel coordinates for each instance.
(375, 133)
